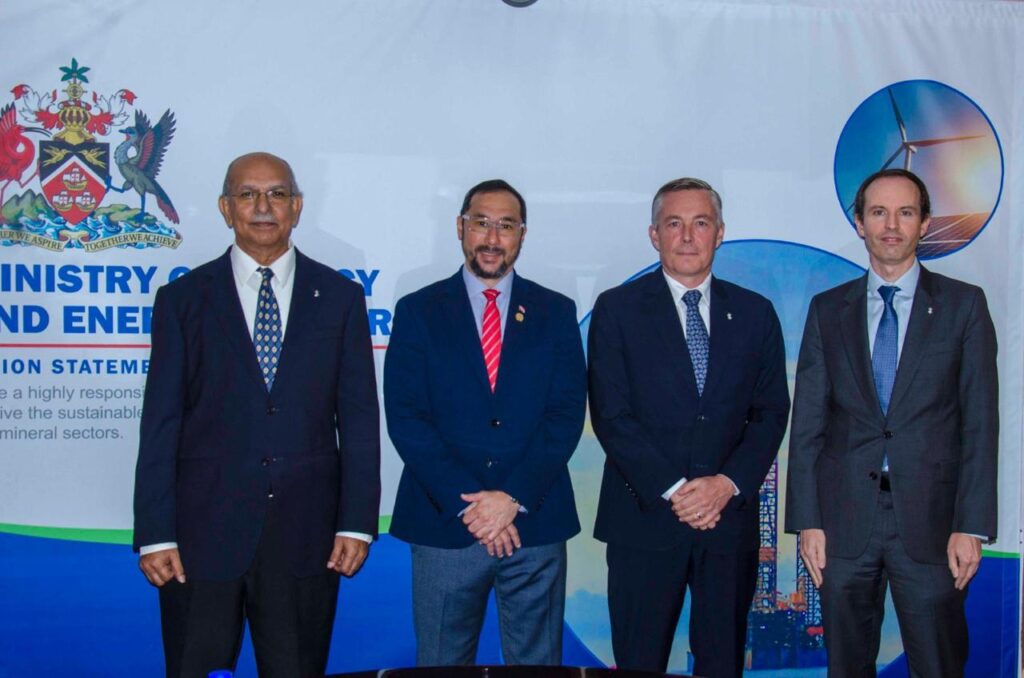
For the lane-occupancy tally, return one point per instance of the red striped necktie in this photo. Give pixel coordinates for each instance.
(490, 337)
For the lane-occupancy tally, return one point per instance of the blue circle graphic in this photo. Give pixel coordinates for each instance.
(940, 134)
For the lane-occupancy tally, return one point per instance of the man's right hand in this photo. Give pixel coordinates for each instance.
(505, 543)
(161, 566)
(812, 550)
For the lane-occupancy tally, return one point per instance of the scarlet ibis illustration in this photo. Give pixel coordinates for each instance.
(139, 158)
(16, 150)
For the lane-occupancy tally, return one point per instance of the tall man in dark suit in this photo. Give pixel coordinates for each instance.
(258, 474)
(688, 398)
(892, 461)
(485, 396)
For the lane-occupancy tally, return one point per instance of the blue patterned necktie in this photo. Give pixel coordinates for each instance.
(696, 338)
(883, 357)
(267, 331)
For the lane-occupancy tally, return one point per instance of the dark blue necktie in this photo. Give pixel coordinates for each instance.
(696, 338)
(883, 358)
(266, 335)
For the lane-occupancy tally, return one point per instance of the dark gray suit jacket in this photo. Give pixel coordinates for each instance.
(941, 433)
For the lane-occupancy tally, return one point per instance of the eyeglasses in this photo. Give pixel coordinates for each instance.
(505, 228)
(275, 196)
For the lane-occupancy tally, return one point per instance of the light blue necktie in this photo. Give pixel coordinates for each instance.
(884, 355)
(696, 338)
(267, 330)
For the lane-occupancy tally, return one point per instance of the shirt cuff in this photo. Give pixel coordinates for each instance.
(735, 487)
(153, 548)
(667, 494)
(361, 536)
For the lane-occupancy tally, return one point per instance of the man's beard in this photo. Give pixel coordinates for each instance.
(497, 273)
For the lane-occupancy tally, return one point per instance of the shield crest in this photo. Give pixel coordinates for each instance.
(74, 177)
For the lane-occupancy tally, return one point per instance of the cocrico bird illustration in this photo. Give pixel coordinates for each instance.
(16, 150)
(139, 158)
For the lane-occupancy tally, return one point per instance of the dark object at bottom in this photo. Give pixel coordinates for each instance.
(502, 672)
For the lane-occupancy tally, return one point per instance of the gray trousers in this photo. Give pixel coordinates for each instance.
(929, 608)
(450, 588)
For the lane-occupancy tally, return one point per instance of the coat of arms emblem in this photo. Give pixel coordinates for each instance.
(74, 169)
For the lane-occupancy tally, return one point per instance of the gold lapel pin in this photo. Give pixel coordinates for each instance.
(520, 314)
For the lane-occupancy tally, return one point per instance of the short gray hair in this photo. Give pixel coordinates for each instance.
(293, 185)
(686, 184)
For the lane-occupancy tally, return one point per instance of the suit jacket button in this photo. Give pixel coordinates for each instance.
(265, 461)
(490, 463)
(271, 410)
(888, 435)
(495, 423)
(873, 475)
(700, 417)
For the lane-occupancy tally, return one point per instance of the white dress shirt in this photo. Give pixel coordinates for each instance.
(477, 301)
(677, 290)
(247, 283)
(902, 302)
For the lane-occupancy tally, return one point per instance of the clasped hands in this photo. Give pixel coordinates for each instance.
(699, 502)
(489, 519)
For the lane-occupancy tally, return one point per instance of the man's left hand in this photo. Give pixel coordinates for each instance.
(489, 512)
(699, 502)
(964, 553)
(348, 555)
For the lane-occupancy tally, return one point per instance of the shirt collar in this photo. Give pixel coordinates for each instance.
(244, 266)
(906, 282)
(475, 286)
(678, 289)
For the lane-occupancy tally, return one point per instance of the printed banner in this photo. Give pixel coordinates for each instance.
(117, 124)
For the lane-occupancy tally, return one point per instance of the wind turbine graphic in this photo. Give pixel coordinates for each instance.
(909, 147)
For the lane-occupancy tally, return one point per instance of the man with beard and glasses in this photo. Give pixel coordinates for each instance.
(485, 396)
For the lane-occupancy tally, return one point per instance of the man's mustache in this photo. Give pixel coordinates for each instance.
(488, 249)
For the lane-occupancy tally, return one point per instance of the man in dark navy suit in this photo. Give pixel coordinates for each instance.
(688, 398)
(485, 395)
(258, 474)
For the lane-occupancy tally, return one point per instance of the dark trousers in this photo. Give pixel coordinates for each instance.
(929, 608)
(290, 619)
(646, 591)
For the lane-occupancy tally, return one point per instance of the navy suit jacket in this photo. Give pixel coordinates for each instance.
(455, 436)
(214, 443)
(654, 427)
(941, 431)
